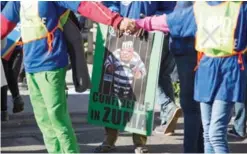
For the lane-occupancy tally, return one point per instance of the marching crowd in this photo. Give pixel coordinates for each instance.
(206, 44)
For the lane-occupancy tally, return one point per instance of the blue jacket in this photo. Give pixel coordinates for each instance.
(186, 45)
(36, 54)
(216, 78)
(134, 9)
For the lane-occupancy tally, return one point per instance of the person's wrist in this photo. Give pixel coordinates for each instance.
(117, 22)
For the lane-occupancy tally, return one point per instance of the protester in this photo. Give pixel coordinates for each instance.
(45, 60)
(12, 71)
(169, 111)
(220, 78)
(11, 64)
(185, 58)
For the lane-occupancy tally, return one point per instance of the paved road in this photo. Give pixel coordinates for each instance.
(21, 134)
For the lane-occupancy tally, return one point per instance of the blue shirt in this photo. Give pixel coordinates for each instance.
(186, 45)
(216, 78)
(36, 57)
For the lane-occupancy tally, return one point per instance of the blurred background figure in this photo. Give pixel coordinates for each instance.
(12, 65)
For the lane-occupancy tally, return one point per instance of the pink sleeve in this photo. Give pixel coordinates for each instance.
(153, 23)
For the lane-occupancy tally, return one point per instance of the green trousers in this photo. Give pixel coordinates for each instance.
(47, 94)
(112, 134)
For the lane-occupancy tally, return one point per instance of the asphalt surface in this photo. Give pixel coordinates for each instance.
(21, 134)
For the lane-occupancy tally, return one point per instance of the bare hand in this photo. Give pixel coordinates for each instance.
(128, 25)
(138, 74)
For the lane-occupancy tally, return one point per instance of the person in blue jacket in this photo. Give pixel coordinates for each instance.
(46, 58)
(185, 56)
(165, 96)
(220, 29)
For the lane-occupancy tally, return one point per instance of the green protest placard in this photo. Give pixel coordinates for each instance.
(124, 80)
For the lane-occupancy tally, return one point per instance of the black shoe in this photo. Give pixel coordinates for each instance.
(4, 116)
(234, 133)
(18, 104)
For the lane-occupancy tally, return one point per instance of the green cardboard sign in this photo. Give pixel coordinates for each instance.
(124, 80)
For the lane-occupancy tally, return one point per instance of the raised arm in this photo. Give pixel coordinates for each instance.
(95, 11)
(180, 23)
(9, 17)
(153, 23)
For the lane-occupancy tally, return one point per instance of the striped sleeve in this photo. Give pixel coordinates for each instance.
(112, 58)
(109, 61)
